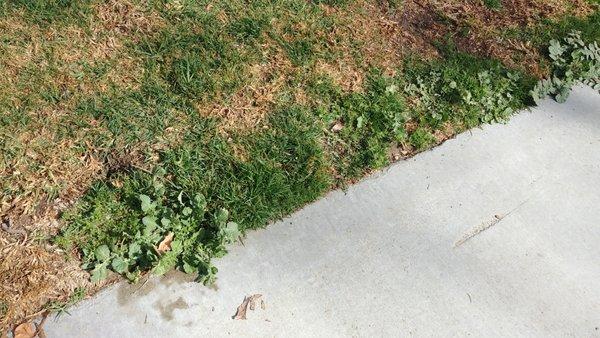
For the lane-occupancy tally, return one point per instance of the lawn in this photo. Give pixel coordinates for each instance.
(142, 136)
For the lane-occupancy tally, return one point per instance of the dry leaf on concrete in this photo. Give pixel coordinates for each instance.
(253, 299)
(241, 310)
(248, 300)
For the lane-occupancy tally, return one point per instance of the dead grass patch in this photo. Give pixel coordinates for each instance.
(379, 38)
(247, 108)
(32, 275)
(42, 168)
(364, 38)
(126, 17)
(73, 63)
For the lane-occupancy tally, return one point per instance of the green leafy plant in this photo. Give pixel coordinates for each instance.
(364, 124)
(170, 232)
(440, 97)
(421, 139)
(573, 61)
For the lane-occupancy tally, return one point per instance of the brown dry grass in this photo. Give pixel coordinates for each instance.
(50, 161)
(32, 275)
(247, 108)
(362, 25)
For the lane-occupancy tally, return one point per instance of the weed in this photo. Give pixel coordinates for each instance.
(573, 61)
(286, 171)
(560, 29)
(371, 122)
(547, 30)
(421, 139)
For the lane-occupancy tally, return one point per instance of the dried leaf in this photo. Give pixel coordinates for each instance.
(165, 245)
(337, 127)
(253, 299)
(25, 330)
(242, 308)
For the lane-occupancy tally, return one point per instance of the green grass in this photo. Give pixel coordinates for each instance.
(286, 169)
(60, 308)
(44, 12)
(493, 4)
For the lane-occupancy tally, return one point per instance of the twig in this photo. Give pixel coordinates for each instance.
(484, 226)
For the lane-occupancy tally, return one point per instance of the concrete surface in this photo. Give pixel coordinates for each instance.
(380, 260)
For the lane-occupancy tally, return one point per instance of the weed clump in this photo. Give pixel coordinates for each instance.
(201, 198)
(573, 61)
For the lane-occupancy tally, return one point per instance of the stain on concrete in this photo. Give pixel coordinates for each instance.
(167, 310)
(127, 292)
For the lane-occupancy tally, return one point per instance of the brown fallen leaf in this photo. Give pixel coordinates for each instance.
(253, 299)
(242, 308)
(252, 303)
(165, 244)
(337, 127)
(25, 330)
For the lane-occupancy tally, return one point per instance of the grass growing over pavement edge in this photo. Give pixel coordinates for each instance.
(202, 196)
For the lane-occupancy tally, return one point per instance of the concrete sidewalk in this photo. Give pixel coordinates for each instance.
(381, 260)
